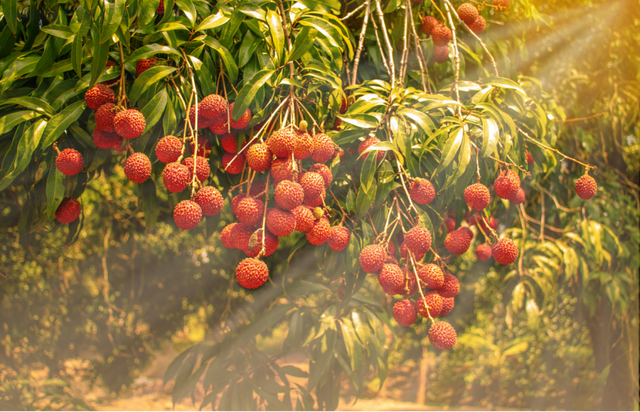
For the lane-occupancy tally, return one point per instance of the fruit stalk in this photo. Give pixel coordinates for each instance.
(383, 27)
(365, 23)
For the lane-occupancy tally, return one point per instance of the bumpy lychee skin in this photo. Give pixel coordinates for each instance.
(403, 253)
(226, 238)
(304, 145)
(252, 273)
(69, 162)
(507, 184)
(450, 224)
(440, 53)
(249, 211)
(243, 121)
(468, 231)
(339, 238)
(187, 214)
(228, 143)
(505, 251)
(281, 169)
(391, 278)
(457, 242)
(468, 13)
(129, 123)
(257, 188)
(324, 171)
(323, 148)
(316, 201)
(241, 235)
(501, 5)
(312, 184)
(98, 95)
(450, 287)
(105, 117)
(144, 65)
(430, 305)
(586, 187)
(236, 201)
(442, 335)
(202, 168)
(418, 240)
(372, 258)
(320, 232)
(447, 306)
(405, 312)
(219, 126)
(160, 9)
(422, 191)
(175, 177)
(283, 142)
(520, 197)
(271, 243)
(168, 149)
(304, 218)
(477, 196)
(483, 252)
(259, 157)
(431, 275)
(367, 144)
(441, 35)
(137, 168)
(210, 200)
(280, 222)
(529, 158)
(288, 195)
(68, 210)
(105, 140)
(231, 166)
(214, 107)
(428, 24)
(479, 25)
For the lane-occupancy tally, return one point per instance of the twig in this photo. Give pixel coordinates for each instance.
(577, 119)
(356, 61)
(357, 9)
(564, 156)
(405, 50)
(555, 199)
(542, 216)
(287, 35)
(456, 55)
(383, 28)
(375, 30)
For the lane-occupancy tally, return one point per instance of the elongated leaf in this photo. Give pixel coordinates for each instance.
(249, 90)
(100, 56)
(363, 121)
(213, 21)
(491, 135)
(55, 191)
(149, 50)
(147, 79)
(248, 47)
(324, 27)
(60, 122)
(77, 54)
(153, 110)
(112, 19)
(10, 10)
(58, 30)
(8, 122)
(147, 11)
(32, 103)
(189, 10)
(304, 41)
(277, 33)
(28, 143)
(451, 148)
(367, 174)
(225, 55)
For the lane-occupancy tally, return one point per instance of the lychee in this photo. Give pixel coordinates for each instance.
(468, 13)
(271, 243)
(69, 162)
(68, 210)
(129, 123)
(105, 117)
(505, 251)
(236, 201)
(440, 53)
(259, 157)
(257, 188)
(169, 149)
(243, 121)
(312, 184)
(324, 171)
(367, 144)
(477, 196)
(214, 107)
(105, 140)
(431, 305)
(441, 35)
(226, 238)
(304, 218)
(144, 65)
(229, 144)
(478, 26)
(422, 191)
(586, 187)
(98, 95)
(210, 200)
(202, 168)
(483, 252)
(428, 24)
(137, 168)
(391, 278)
(288, 195)
(442, 335)
(204, 147)
(175, 177)
(447, 306)
(501, 5)
(404, 312)
(323, 148)
(187, 214)
(249, 210)
(450, 287)
(252, 273)
(281, 169)
(320, 232)
(304, 145)
(418, 240)
(450, 224)
(507, 184)
(339, 237)
(280, 222)
(457, 242)
(529, 158)
(372, 258)
(232, 166)
(282, 142)
(241, 235)
(431, 275)
(520, 197)
(403, 253)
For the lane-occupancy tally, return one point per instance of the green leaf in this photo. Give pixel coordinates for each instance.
(225, 55)
(58, 30)
(450, 148)
(77, 54)
(363, 121)
(491, 135)
(189, 10)
(28, 143)
(8, 122)
(248, 47)
(203, 75)
(10, 10)
(277, 32)
(367, 174)
(213, 21)
(324, 27)
(153, 110)
(249, 90)
(100, 56)
(60, 122)
(149, 50)
(147, 79)
(304, 41)
(169, 121)
(55, 191)
(364, 200)
(420, 119)
(112, 19)
(32, 103)
(174, 366)
(147, 11)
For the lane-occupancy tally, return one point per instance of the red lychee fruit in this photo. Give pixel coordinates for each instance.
(477, 196)
(210, 200)
(144, 65)
(160, 9)
(422, 191)
(137, 168)
(441, 35)
(478, 26)
(99, 95)
(168, 149)
(202, 122)
(418, 240)
(431, 275)
(281, 169)
(529, 158)
(214, 107)
(483, 252)
(271, 243)
(104, 140)
(339, 238)
(105, 117)
(391, 278)
(228, 143)
(391, 249)
(259, 157)
(252, 273)
(468, 231)
(241, 235)
(586, 187)
(324, 171)
(316, 201)
(323, 148)
(440, 53)
(204, 147)
(442, 335)
(501, 5)
(225, 236)
(505, 251)
(312, 184)
(450, 224)
(372, 258)
(304, 218)
(403, 253)
(69, 162)
(202, 168)
(457, 242)
(447, 306)
(236, 201)
(428, 24)
(187, 214)
(129, 123)
(243, 121)
(219, 126)
(468, 13)
(68, 210)
(257, 188)
(288, 195)
(405, 312)
(507, 184)
(280, 222)
(367, 144)
(232, 166)
(320, 232)
(304, 145)
(175, 177)
(450, 287)
(430, 305)
(282, 143)
(249, 210)
(520, 197)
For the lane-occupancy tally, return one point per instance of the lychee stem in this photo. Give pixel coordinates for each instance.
(264, 219)
(415, 273)
(55, 147)
(564, 156)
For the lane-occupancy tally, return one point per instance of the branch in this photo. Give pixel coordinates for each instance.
(383, 27)
(564, 156)
(405, 50)
(456, 55)
(384, 59)
(357, 9)
(356, 61)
